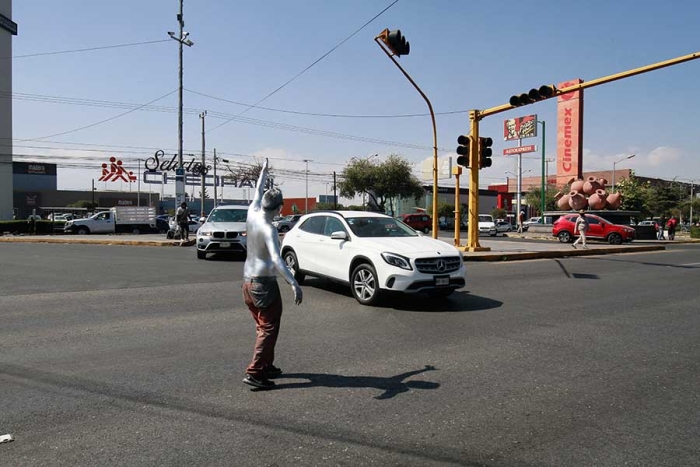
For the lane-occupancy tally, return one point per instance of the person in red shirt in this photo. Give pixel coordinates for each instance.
(671, 228)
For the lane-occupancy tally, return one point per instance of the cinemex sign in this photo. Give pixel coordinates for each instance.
(569, 132)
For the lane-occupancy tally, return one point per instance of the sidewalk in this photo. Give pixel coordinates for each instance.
(500, 250)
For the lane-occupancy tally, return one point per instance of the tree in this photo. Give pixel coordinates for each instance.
(83, 204)
(327, 207)
(381, 182)
(635, 195)
(248, 174)
(499, 213)
(533, 197)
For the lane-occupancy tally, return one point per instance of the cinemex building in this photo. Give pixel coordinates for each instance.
(8, 28)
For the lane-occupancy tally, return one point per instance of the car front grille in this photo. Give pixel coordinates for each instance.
(225, 235)
(438, 265)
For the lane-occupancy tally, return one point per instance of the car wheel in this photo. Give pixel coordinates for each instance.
(136, 231)
(364, 284)
(565, 237)
(440, 293)
(290, 259)
(170, 235)
(201, 254)
(615, 239)
(83, 231)
(426, 230)
(284, 229)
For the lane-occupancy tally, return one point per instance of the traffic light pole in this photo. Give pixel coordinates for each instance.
(457, 171)
(435, 145)
(544, 182)
(474, 157)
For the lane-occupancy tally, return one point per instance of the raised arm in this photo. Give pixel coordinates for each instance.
(260, 187)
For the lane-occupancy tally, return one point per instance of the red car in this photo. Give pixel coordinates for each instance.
(598, 228)
(418, 221)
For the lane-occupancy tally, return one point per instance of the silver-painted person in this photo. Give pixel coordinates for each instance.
(260, 290)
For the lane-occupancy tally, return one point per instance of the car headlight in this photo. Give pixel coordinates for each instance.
(205, 233)
(244, 234)
(397, 260)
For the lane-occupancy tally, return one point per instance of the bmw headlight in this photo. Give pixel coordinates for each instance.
(205, 233)
(397, 260)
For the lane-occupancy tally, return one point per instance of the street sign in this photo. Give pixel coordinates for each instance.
(519, 150)
(8, 25)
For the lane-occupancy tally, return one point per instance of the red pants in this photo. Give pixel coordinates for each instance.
(262, 295)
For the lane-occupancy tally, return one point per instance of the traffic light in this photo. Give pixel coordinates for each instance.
(463, 150)
(396, 42)
(544, 92)
(485, 152)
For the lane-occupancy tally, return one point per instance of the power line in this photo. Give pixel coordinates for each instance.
(90, 49)
(100, 122)
(314, 63)
(316, 114)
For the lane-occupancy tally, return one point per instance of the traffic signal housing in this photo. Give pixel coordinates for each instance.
(485, 152)
(535, 95)
(464, 142)
(396, 42)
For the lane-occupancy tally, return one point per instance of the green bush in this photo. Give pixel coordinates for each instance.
(695, 232)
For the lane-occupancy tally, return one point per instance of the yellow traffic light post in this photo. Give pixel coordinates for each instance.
(397, 45)
(535, 95)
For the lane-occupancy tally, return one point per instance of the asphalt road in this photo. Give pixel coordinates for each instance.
(133, 356)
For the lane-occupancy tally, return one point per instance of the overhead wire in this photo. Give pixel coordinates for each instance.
(310, 66)
(89, 49)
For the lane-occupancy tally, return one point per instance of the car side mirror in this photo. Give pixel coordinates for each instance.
(339, 235)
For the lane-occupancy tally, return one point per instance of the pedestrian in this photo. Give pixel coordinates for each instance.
(671, 227)
(582, 227)
(260, 290)
(182, 219)
(521, 219)
(32, 221)
(661, 224)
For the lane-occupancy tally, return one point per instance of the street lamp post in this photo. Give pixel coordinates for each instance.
(306, 198)
(180, 176)
(614, 164)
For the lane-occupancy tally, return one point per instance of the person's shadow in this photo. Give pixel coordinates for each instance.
(391, 385)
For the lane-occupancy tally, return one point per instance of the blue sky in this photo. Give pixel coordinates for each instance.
(464, 55)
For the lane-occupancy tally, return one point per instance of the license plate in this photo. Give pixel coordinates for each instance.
(225, 245)
(441, 281)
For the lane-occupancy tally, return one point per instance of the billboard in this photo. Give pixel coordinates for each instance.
(569, 133)
(520, 127)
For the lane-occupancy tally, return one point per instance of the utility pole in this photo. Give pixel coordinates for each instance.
(204, 175)
(306, 199)
(335, 195)
(215, 180)
(180, 171)
(138, 174)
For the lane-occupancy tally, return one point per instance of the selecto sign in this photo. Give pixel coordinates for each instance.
(160, 162)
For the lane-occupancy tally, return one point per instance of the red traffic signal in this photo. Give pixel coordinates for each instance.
(397, 43)
(534, 95)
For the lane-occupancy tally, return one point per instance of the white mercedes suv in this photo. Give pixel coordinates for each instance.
(373, 253)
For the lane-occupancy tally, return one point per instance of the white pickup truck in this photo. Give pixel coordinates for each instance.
(118, 219)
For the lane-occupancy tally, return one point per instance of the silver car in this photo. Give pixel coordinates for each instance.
(223, 232)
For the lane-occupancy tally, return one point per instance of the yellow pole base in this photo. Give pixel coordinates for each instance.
(474, 248)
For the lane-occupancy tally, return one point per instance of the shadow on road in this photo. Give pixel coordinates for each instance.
(391, 385)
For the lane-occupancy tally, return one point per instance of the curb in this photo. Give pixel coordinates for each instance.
(559, 253)
(93, 242)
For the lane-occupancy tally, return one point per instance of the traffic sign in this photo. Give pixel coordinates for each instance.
(519, 150)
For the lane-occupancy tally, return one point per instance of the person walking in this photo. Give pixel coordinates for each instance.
(32, 220)
(582, 227)
(182, 218)
(260, 290)
(671, 228)
(521, 219)
(661, 225)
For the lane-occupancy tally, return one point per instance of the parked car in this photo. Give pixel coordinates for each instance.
(194, 224)
(487, 225)
(419, 221)
(598, 228)
(503, 226)
(654, 223)
(373, 253)
(224, 231)
(532, 220)
(286, 223)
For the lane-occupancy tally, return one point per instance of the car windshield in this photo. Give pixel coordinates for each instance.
(379, 227)
(228, 215)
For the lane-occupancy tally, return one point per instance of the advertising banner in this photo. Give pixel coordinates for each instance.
(569, 133)
(520, 127)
